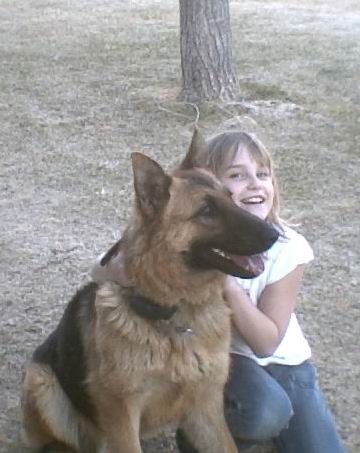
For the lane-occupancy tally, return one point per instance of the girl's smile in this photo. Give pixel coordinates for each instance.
(250, 184)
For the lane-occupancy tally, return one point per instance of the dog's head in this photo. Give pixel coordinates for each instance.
(190, 216)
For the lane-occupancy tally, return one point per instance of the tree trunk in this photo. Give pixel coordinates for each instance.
(206, 51)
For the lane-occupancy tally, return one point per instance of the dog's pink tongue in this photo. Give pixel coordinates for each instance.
(252, 264)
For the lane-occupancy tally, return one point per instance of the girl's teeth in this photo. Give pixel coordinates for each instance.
(253, 200)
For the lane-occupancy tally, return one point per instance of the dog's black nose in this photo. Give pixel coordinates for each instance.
(263, 237)
(273, 235)
(270, 236)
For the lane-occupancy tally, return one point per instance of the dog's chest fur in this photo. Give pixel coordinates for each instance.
(158, 359)
(188, 340)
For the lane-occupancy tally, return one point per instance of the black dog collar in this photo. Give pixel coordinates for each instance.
(148, 309)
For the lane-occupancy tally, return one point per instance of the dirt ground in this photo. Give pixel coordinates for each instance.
(84, 83)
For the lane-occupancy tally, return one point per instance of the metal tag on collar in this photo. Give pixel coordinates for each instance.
(184, 330)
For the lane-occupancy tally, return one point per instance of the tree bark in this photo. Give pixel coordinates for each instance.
(206, 51)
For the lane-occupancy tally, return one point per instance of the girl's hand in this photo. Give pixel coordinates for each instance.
(113, 271)
(232, 289)
(263, 326)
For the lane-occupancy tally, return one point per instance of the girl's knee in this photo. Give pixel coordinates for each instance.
(259, 419)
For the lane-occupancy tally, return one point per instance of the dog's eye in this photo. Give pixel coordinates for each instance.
(206, 211)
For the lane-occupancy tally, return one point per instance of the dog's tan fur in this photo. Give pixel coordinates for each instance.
(141, 374)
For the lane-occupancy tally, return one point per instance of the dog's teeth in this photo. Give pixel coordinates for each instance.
(220, 252)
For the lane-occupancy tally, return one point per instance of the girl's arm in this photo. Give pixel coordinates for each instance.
(263, 326)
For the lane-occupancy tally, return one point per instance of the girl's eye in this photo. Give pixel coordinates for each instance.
(263, 174)
(241, 176)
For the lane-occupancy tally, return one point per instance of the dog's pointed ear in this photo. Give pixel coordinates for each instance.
(151, 185)
(196, 154)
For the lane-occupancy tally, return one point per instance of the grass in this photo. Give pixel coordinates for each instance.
(84, 84)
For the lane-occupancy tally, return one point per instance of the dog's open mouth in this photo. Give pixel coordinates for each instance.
(231, 264)
(240, 266)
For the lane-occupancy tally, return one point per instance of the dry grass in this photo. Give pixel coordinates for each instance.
(84, 83)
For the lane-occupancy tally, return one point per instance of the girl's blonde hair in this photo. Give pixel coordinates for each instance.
(222, 149)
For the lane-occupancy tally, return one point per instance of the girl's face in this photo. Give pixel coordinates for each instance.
(250, 183)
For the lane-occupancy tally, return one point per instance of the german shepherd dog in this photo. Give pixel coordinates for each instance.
(124, 362)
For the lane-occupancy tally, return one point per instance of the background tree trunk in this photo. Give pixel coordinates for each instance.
(206, 50)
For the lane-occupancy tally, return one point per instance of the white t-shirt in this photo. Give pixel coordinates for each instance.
(282, 258)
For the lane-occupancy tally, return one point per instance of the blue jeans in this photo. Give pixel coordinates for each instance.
(276, 402)
(280, 402)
